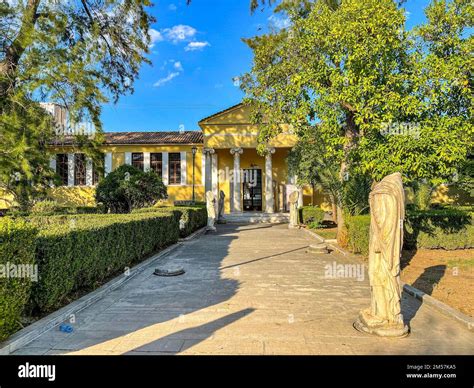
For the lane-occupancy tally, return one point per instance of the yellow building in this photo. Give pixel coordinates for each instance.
(220, 157)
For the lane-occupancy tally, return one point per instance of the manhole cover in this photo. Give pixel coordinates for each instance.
(175, 271)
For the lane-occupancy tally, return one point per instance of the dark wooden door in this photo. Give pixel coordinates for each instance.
(252, 189)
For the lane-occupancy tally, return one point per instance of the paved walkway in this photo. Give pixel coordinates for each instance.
(247, 290)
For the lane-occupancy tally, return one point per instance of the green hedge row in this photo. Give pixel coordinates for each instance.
(80, 253)
(77, 252)
(311, 215)
(358, 230)
(17, 256)
(191, 217)
(431, 229)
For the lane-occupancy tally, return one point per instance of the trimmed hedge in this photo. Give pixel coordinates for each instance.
(191, 217)
(431, 229)
(358, 231)
(311, 215)
(77, 253)
(17, 247)
(434, 229)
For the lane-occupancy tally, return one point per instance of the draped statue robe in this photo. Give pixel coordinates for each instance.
(387, 205)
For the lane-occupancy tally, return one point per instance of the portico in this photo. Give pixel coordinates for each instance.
(251, 181)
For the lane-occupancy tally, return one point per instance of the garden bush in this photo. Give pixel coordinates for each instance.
(81, 254)
(433, 229)
(128, 188)
(17, 247)
(358, 230)
(448, 228)
(191, 217)
(311, 215)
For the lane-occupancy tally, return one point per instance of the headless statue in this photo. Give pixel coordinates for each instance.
(387, 210)
(294, 217)
(211, 211)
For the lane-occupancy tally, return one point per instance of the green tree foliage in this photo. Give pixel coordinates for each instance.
(129, 188)
(384, 99)
(80, 54)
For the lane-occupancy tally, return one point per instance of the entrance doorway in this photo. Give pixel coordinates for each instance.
(252, 189)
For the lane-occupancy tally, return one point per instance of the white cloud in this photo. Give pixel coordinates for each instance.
(179, 33)
(178, 66)
(155, 36)
(166, 79)
(193, 46)
(279, 21)
(172, 7)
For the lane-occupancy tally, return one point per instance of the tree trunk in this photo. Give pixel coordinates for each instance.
(13, 53)
(350, 136)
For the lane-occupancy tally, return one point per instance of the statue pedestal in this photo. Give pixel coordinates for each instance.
(371, 325)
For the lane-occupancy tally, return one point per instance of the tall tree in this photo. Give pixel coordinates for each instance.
(77, 53)
(381, 102)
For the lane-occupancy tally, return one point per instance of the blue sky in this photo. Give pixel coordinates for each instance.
(196, 53)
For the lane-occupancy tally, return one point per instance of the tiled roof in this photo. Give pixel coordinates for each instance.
(116, 138)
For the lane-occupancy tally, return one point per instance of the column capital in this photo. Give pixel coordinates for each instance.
(208, 150)
(269, 151)
(236, 150)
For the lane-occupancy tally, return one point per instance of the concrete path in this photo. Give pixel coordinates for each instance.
(247, 290)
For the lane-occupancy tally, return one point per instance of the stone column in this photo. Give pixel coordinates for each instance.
(208, 168)
(215, 176)
(237, 184)
(269, 200)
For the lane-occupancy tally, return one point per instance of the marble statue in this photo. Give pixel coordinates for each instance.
(294, 216)
(387, 210)
(220, 211)
(211, 211)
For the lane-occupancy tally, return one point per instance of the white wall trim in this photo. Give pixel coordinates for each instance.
(146, 161)
(128, 158)
(108, 163)
(89, 172)
(183, 168)
(165, 168)
(52, 163)
(70, 169)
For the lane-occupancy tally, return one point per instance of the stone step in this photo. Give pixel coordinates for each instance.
(255, 218)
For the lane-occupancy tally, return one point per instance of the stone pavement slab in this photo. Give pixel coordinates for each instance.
(248, 290)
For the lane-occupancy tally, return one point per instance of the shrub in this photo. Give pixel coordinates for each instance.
(358, 230)
(128, 188)
(431, 229)
(191, 217)
(17, 247)
(445, 228)
(46, 206)
(311, 215)
(84, 253)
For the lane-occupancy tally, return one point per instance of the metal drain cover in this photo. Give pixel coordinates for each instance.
(173, 271)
